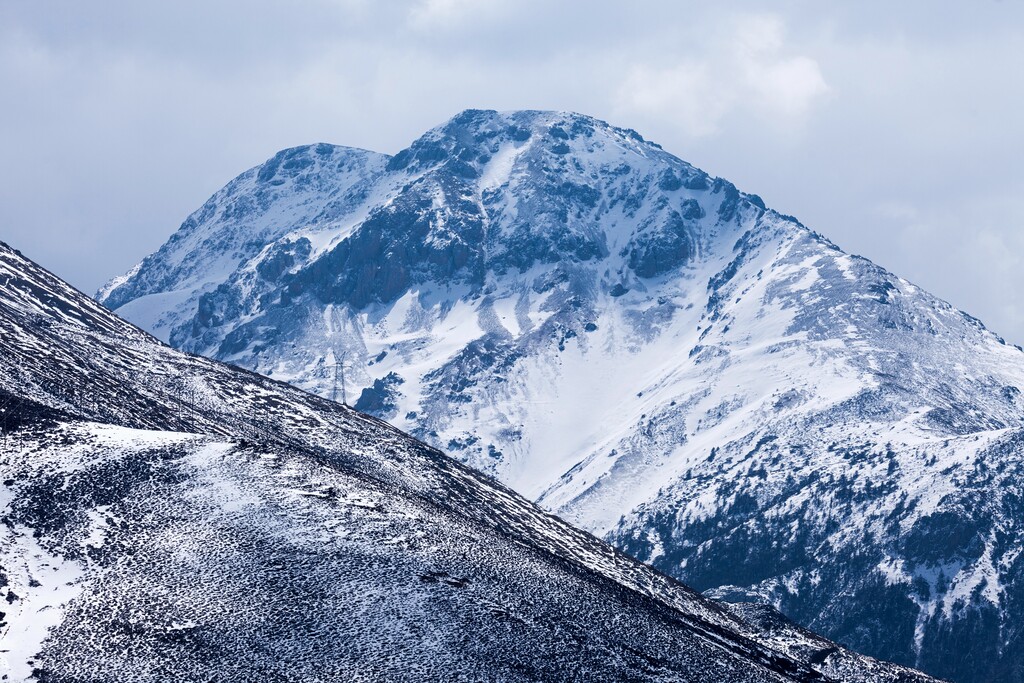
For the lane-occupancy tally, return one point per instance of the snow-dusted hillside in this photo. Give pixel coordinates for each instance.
(654, 356)
(166, 517)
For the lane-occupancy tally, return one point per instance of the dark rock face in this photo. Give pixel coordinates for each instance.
(379, 399)
(659, 251)
(394, 249)
(282, 258)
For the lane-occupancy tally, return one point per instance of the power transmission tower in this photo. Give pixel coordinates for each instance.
(339, 370)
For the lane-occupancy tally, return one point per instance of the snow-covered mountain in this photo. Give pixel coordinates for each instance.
(166, 517)
(646, 351)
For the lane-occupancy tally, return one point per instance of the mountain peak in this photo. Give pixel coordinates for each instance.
(475, 135)
(301, 163)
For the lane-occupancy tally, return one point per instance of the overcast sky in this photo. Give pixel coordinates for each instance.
(894, 128)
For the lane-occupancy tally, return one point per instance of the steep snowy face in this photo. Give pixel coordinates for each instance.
(661, 359)
(166, 517)
(849, 446)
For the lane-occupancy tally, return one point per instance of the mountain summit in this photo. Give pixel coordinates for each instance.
(644, 350)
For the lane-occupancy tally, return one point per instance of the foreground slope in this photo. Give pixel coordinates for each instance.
(655, 356)
(169, 517)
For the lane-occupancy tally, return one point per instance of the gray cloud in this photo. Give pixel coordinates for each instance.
(889, 127)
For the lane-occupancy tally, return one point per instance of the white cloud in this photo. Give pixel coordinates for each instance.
(748, 71)
(688, 93)
(977, 241)
(427, 15)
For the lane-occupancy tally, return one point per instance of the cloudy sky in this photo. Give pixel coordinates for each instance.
(892, 128)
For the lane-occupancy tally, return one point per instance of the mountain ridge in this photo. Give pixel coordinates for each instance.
(167, 516)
